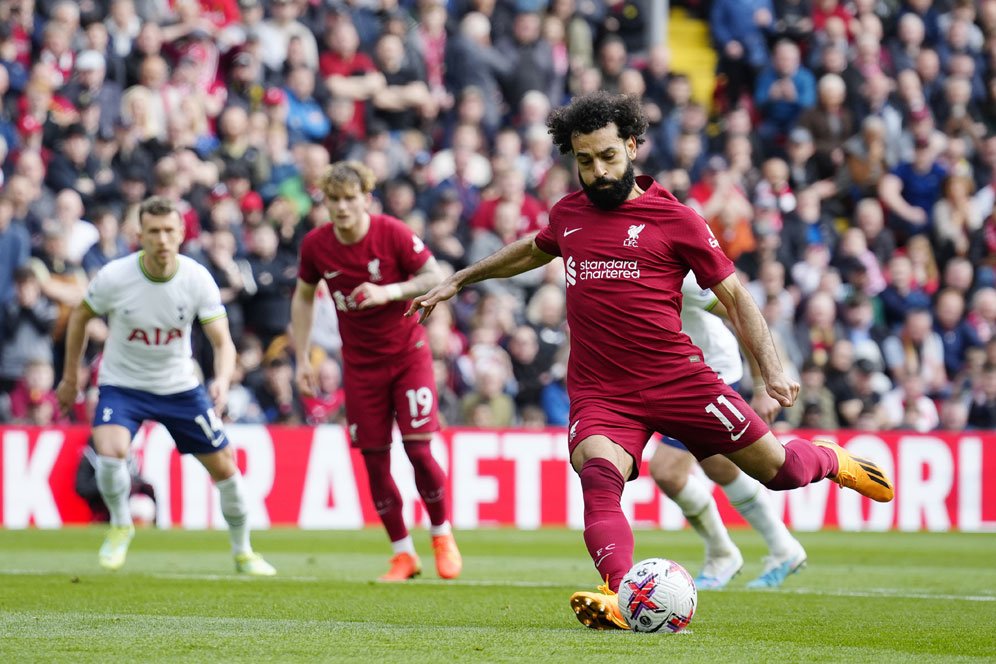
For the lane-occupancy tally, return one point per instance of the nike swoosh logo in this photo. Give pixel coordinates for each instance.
(737, 437)
(420, 422)
(332, 275)
(568, 232)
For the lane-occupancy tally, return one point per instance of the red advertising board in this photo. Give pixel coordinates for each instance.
(309, 477)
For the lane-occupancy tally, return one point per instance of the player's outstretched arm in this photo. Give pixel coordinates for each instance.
(220, 338)
(75, 343)
(302, 318)
(520, 256)
(753, 332)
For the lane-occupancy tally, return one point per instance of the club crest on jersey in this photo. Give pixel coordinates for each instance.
(634, 235)
(374, 268)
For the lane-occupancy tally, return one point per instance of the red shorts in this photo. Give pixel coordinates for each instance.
(402, 390)
(699, 409)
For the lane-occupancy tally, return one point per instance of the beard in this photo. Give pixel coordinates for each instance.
(608, 194)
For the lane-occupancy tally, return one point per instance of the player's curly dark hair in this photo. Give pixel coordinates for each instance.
(593, 111)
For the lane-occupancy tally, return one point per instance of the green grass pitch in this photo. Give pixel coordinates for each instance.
(889, 597)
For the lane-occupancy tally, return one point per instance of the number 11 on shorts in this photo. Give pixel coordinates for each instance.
(713, 409)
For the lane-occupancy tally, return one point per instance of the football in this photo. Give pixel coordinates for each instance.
(657, 595)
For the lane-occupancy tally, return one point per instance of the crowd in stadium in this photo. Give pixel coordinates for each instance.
(846, 163)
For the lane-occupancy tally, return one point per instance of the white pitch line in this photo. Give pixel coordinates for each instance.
(883, 593)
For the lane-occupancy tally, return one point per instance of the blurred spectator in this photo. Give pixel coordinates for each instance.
(866, 159)
(784, 90)
(908, 407)
(328, 406)
(33, 401)
(268, 287)
(910, 191)
(953, 415)
(109, 245)
(957, 336)
(916, 350)
(982, 413)
(487, 405)
(530, 64)
(25, 328)
(406, 99)
(830, 122)
(721, 200)
(739, 31)
(283, 25)
(530, 375)
(814, 408)
(91, 87)
(902, 294)
(819, 329)
(862, 330)
(277, 395)
(510, 187)
(15, 250)
(305, 120)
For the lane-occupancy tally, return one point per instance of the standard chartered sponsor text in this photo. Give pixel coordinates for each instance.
(613, 269)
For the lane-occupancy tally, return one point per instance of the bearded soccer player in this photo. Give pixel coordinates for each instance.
(627, 244)
(672, 463)
(373, 265)
(151, 299)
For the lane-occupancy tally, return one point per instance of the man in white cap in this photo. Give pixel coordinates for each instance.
(89, 86)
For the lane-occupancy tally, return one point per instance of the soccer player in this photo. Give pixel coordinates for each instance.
(672, 463)
(372, 265)
(147, 373)
(627, 244)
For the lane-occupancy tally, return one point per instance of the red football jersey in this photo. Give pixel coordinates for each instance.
(624, 270)
(389, 253)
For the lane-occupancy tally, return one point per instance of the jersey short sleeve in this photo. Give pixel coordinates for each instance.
(701, 250)
(306, 269)
(210, 307)
(546, 239)
(412, 252)
(98, 293)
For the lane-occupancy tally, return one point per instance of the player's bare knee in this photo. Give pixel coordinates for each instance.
(601, 447)
(112, 441)
(719, 469)
(220, 465)
(670, 467)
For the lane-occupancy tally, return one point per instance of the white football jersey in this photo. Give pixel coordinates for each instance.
(150, 320)
(719, 345)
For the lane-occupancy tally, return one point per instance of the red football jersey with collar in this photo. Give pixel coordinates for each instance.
(624, 270)
(389, 253)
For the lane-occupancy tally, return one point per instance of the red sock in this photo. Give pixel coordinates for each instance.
(430, 480)
(386, 497)
(805, 463)
(607, 533)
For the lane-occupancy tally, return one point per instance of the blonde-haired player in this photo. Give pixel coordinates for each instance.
(373, 264)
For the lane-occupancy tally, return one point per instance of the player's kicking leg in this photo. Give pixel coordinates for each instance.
(431, 483)
(114, 482)
(225, 473)
(671, 467)
(785, 554)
